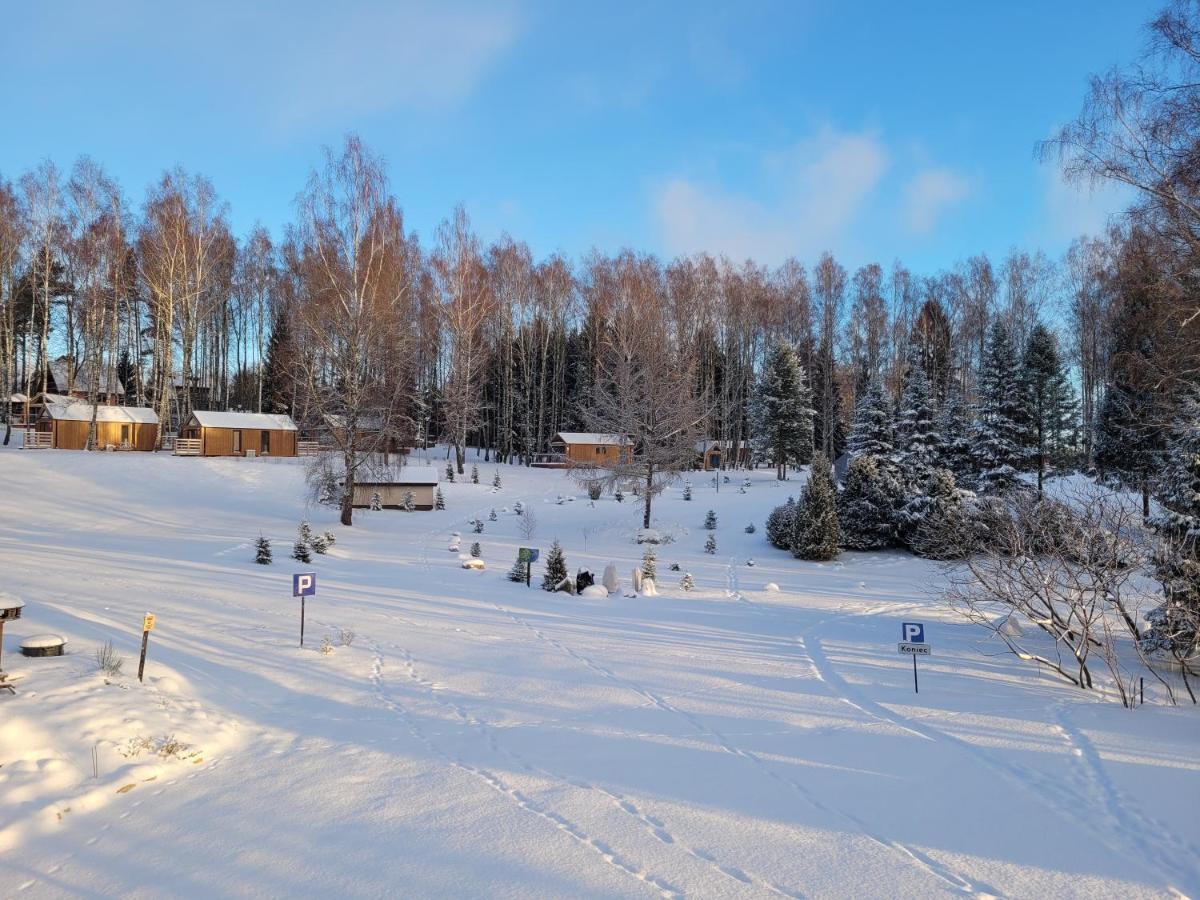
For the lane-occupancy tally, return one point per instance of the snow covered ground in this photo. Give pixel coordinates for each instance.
(479, 738)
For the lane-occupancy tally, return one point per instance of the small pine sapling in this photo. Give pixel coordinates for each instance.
(450, 472)
(475, 551)
(750, 529)
(619, 495)
(330, 540)
(687, 490)
(300, 552)
(674, 567)
(474, 474)
(410, 502)
(492, 515)
(710, 546)
(517, 572)
(496, 479)
(439, 499)
(518, 507)
(305, 532)
(262, 551)
(593, 490)
(376, 502)
(326, 645)
(649, 563)
(710, 521)
(687, 582)
(556, 568)
(477, 526)
(319, 544)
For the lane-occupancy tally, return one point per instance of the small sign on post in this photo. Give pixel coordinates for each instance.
(147, 627)
(913, 644)
(304, 584)
(529, 556)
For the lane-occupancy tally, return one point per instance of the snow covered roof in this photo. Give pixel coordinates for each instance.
(70, 410)
(705, 446)
(589, 437)
(262, 421)
(408, 475)
(18, 398)
(83, 379)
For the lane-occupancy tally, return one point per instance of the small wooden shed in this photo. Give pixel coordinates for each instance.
(590, 448)
(237, 434)
(708, 455)
(68, 421)
(420, 481)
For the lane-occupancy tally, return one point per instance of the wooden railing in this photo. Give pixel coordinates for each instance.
(37, 440)
(308, 448)
(187, 446)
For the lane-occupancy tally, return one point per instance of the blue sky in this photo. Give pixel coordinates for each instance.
(877, 130)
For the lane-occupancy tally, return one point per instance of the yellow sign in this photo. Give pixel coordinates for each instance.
(148, 622)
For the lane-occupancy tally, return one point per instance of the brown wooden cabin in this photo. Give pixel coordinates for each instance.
(708, 455)
(583, 448)
(68, 421)
(240, 434)
(420, 480)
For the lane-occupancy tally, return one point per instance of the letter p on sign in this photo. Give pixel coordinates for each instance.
(304, 585)
(913, 632)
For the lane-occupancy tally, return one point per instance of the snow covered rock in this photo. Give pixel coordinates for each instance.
(611, 580)
(649, 536)
(594, 591)
(648, 588)
(474, 564)
(771, 587)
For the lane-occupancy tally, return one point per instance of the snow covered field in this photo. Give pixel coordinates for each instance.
(479, 738)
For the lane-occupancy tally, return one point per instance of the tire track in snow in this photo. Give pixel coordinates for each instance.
(912, 855)
(525, 803)
(1047, 791)
(654, 826)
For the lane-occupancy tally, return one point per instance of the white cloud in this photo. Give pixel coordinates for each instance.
(1073, 210)
(816, 192)
(931, 193)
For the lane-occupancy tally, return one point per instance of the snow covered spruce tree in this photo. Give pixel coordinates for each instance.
(649, 562)
(710, 520)
(376, 501)
(955, 453)
(997, 435)
(1178, 488)
(815, 532)
(779, 525)
(556, 568)
(918, 439)
(872, 433)
(474, 474)
(710, 545)
(517, 572)
(1050, 402)
(300, 552)
(867, 505)
(439, 499)
(262, 551)
(936, 522)
(781, 411)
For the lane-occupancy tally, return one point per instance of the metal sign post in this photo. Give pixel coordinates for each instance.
(147, 627)
(529, 556)
(914, 645)
(304, 585)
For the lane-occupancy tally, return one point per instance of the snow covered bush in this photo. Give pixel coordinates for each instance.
(779, 525)
(492, 517)
(687, 490)
(940, 525)
(376, 501)
(326, 645)
(496, 479)
(528, 525)
(619, 495)
(304, 532)
(475, 551)
(108, 661)
(330, 538)
(450, 472)
(751, 528)
(262, 551)
(815, 532)
(649, 562)
(518, 508)
(687, 582)
(710, 546)
(594, 489)
(409, 503)
(477, 526)
(866, 505)
(556, 568)
(474, 474)
(300, 552)
(710, 521)
(517, 572)
(1174, 627)
(318, 544)
(439, 499)
(345, 637)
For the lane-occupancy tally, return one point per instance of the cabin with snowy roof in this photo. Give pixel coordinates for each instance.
(418, 481)
(208, 433)
(586, 448)
(63, 424)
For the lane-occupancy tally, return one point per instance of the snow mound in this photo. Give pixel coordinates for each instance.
(474, 564)
(648, 588)
(649, 536)
(594, 590)
(42, 641)
(771, 587)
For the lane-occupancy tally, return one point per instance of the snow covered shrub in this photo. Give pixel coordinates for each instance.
(1175, 625)
(318, 544)
(710, 546)
(450, 472)
(649, 562)
(304, 532)
(262, 551)
(477, 526)
(300, 552)
(674, 567)
(518, 507)
(410, 502)
(475, 551)
(496, 479)
(751, 528)
(687, 582)
(779, 525)
(594, 489)
(345, 637)
(376, 501)
(619, 495)
(528, 525)
(439, 499)
(492, 517)
(556, 568)
(330, 539)
(815, 532)
(941, 528)
(326, 645)
(866, 506)
(108, 661)
(474, 474)
(517, 572)
(687, 490)
(710, 521)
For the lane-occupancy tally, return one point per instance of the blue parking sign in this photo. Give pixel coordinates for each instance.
(912, 632)
(304, 584)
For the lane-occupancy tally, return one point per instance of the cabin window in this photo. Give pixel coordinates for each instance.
(599, 451)
(266, 443)
(237, 442)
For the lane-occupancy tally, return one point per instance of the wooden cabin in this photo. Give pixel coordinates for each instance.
(582, 448)
(67, 421)
(420, 481)
(708, 455)
(237, 434)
